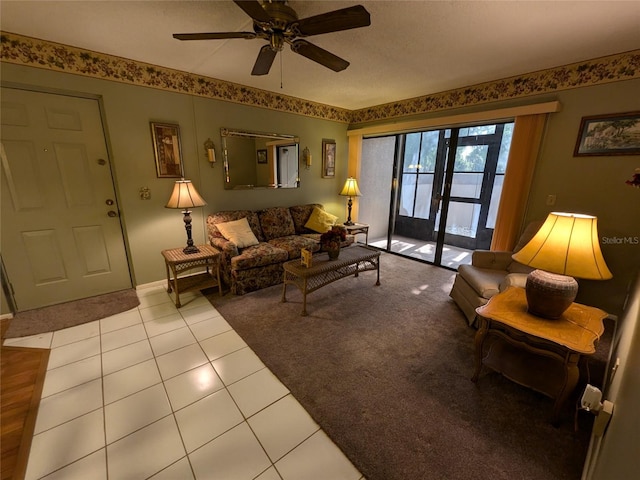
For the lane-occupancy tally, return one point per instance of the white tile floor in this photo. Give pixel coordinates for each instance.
(170, 394)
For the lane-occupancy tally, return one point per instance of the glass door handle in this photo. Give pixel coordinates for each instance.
(435, 202)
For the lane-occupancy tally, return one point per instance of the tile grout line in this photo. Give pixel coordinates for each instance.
(226, 388)
(173, 411)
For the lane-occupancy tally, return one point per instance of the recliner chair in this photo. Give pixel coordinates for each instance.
(490, 272)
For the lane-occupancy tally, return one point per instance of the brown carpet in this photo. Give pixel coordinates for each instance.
(70, 314)
(386, 372)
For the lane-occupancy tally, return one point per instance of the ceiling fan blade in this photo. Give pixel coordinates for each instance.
(254, 10)
(319, 55)
(344, 19)
(264, 61)
(214, 36)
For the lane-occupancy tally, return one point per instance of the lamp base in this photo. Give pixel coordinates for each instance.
(549, 294)
(349, 205)
(190, 249)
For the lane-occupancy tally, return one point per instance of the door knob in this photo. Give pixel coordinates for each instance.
(111, 213)
(109, 201)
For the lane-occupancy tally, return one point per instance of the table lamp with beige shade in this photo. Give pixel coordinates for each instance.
(186, 196)
(566, 246)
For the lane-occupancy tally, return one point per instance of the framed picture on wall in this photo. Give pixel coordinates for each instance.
(167, 150)
(262, 156)
(328, 158)
(615, 134)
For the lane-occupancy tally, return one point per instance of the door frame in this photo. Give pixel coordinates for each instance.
(442, 184)
(105, 131)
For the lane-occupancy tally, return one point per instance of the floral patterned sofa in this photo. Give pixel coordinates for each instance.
(281, 234)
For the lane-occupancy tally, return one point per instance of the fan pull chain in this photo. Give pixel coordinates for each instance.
(280, 69)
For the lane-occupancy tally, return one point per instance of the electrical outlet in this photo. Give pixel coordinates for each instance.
(591, 399)
(551, 200)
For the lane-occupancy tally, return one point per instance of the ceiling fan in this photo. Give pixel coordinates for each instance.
(276, 22)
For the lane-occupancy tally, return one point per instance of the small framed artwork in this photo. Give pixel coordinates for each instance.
(167, 149)
(262, 156)
(615, 134)
(328, 158)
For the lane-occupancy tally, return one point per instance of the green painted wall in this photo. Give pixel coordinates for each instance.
(593, 185)
(149, 227)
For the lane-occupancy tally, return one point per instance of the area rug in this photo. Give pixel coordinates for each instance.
(386, 371)
(70, 314)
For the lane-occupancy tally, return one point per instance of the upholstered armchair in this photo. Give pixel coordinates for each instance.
(490, 272)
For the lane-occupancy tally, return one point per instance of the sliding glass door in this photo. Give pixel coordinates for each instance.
(443, 191)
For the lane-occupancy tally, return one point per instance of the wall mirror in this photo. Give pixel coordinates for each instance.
(259, 160)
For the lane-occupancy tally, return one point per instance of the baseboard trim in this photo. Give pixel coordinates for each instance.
(157, 283)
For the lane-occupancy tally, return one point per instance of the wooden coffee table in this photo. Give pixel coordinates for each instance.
(352, 260)
(536, 352)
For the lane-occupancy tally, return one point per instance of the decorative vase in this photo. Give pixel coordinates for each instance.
(333, 253)
(332, 250)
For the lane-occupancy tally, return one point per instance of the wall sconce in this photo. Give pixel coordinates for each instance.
(306, 158)
(209, 148)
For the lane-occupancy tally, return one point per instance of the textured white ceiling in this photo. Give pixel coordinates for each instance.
(412, 48)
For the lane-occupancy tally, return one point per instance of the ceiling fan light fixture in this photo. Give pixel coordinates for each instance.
(276, 41)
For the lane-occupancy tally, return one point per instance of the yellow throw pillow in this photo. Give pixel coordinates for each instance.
(320, 221)
(238, 232)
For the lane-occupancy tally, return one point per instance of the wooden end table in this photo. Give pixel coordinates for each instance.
(177, 262)
(352, 260)
(536, 352)
(358, 228)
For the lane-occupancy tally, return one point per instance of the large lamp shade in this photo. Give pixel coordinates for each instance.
(185, 195)
(566, 246)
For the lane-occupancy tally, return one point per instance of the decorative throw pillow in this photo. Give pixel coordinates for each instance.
(320, 221)
(238, 232)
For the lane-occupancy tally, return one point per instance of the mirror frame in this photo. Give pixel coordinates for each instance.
(229, 132)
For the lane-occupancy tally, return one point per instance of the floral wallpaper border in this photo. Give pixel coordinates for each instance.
(21, 50)
(614, 68)
(33, 52)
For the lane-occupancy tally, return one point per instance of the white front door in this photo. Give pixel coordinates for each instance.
(61, 233)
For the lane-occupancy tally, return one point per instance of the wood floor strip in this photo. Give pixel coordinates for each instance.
(22, 379)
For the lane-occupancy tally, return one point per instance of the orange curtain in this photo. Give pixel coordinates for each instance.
(353, 169)
(525, 144)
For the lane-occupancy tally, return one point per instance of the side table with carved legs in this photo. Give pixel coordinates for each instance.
(536, 352)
